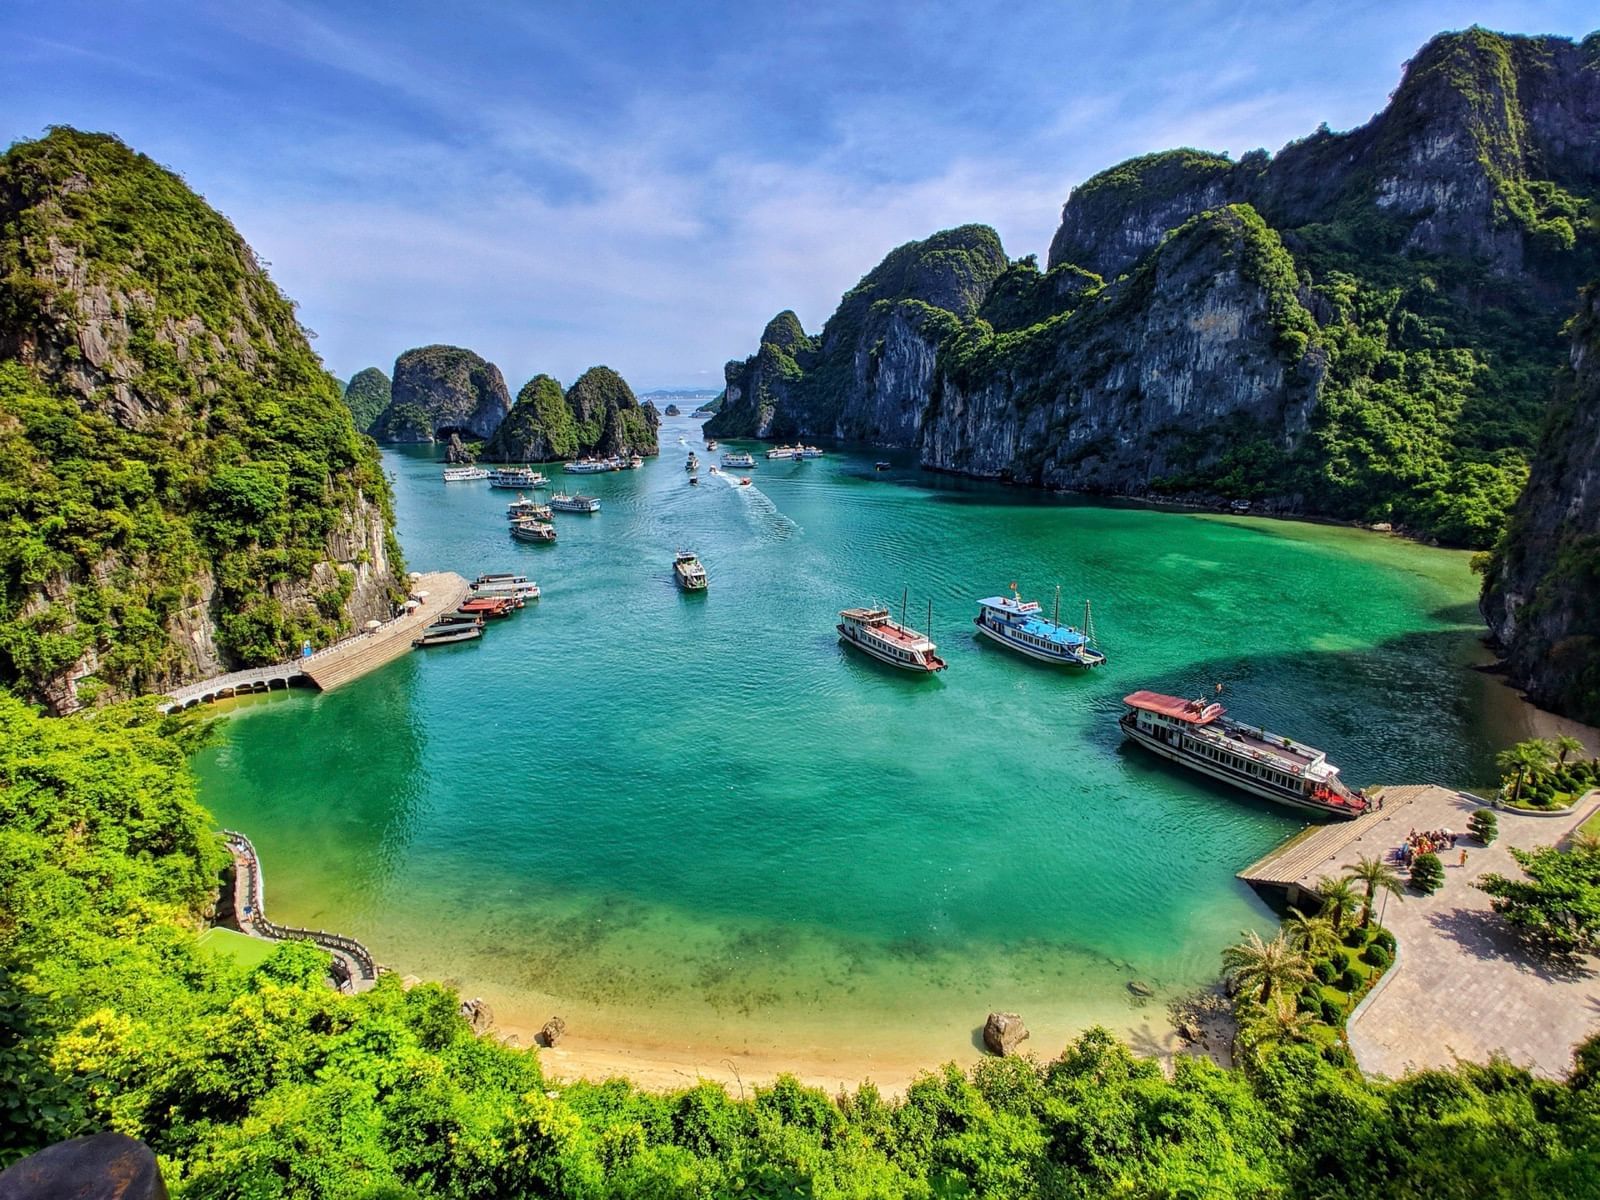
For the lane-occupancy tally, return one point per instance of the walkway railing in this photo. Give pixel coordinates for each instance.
(249, 904)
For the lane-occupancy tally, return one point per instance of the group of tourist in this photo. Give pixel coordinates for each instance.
(1432, 841)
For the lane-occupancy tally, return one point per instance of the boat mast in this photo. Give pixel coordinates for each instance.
(1056, 620)
(1088, 623)
(929, 633)
(904, 596)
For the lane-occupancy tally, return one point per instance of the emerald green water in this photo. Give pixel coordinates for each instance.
(699, 822)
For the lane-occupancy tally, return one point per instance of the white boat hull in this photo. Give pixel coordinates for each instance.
(1220, 772)
(1031, 652)
(849, 638)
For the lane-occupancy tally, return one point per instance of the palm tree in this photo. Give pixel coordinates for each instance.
(1310, 935)
(1566, 744)
(1270, 966)
(1338, 895)
(1374, 873)
(1524, 761)
(1279, 1021)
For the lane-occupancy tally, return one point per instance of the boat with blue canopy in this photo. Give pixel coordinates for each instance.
(1020, 625)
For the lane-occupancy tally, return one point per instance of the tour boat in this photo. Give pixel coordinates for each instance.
(809, 452)
(693, 464)
(632, 463)
(738, 458)
(872, 631)
(440, 635)
(711, 443)
(463, 474)
(490, 606)
(590, 466)
(561, 502)
(691, 576)
(524, 478)
(506, 585)
(1199, 736)
(1019, 625)
(533, 531)
(523, 509)
(794, 452)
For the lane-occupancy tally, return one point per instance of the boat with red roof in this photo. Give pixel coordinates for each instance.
(872, 631)
(1200, 736)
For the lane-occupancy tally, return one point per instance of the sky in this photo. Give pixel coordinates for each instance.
(643, 184)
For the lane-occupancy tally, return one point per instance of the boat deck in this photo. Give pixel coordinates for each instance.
(888, 630)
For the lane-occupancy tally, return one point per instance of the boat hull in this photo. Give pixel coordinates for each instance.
(466, 634)
(1224, 774)
(1055, 660)
(848, 636)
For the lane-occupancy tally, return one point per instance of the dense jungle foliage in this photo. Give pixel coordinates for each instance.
(266, 1083)
(165, 427)
(366, 396)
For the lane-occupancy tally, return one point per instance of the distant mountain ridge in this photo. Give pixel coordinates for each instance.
(1362, 325)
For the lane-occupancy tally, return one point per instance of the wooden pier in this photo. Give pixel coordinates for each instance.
(1321, 850)
(339, 663)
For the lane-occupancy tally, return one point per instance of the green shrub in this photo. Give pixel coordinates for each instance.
(1349, 981)
(1339, 1056)
(1308, 1000)
(1427, 873)
(1382, 937)
(1484, 825)
(1375, 955)
(1323, 970)
(1332, 1013)
(1340, 960)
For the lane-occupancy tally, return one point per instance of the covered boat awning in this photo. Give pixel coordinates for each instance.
(1179, 709)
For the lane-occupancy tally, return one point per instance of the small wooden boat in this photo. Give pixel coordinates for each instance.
(443, 635)
(694, 481)
(490, 606)
(744, 481)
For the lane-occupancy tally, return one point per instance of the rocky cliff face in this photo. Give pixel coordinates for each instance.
(366, 396)
(182, 489)
(599, 415)
(438, 390)
(1542, 589)
(1360, 325)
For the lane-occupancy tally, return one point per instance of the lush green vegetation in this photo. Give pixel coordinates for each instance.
(263, 1082)
(189, 437)
(608, 417)
(1546, 773)
(1557, 905)
(367, 395)
(539, 427)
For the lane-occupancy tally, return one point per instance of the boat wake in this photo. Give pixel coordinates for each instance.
(761, 503)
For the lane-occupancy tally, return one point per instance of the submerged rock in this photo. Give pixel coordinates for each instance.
(1140, 988)
(1003, 1032)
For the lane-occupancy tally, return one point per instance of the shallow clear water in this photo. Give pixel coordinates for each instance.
(698, 821)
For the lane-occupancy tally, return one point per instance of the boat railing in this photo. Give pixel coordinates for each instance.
(1297, 768)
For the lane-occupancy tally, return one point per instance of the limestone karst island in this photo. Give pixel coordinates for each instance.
(841, 601)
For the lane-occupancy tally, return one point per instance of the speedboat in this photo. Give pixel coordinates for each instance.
(711, 443)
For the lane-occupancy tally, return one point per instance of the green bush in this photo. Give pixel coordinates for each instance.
(1427, 873)
(1308, 1000)
(1332, 1013)
(1324, 971)
(1339, 1056)
(1375, 955)
(1382, 937)
(1484, 825)
(1340, 960)
(1349, 981)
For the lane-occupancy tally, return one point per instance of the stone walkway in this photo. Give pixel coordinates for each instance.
(1463, 988)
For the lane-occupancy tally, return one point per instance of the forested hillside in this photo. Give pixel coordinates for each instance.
(181, 489)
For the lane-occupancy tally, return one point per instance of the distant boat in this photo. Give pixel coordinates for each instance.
(522, 509)
(738, 459)
(872, 631)
(744, 481)
(1199, 736)
(794, 452)
(1018, 625)
(694, 480)
(590, 466)
(524, 478)
(688, 571)
(809, 452)
(561, 502)
(533, 531)
(880, 466)
(711, 444)
(693, 464)
(464, 474)
(632, 463)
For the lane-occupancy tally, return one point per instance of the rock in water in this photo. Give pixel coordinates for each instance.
(478, 1014)
(1003, 1032)
(552, 1032)
(437, 389)
(1140, 988)
(674, 411)
(457, 452)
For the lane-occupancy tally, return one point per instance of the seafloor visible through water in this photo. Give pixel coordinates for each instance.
(697, 820)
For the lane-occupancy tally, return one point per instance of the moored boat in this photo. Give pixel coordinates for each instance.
(794, 452)
(689, 572)
(525, 478)
(1019, 625)
(1203, 738)
(590, 466)
(880, 465)
(738, 458)
(530, 530)
(464, 474)
(443, 634)
(505, 584)
(490, 606)
(872, 631)
(808, 452)
(522, 508)
(562, 502)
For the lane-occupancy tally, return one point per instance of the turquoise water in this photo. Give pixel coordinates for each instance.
(698, 821)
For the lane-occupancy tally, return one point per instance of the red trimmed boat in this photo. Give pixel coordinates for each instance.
(873, 632)
(1203, 738)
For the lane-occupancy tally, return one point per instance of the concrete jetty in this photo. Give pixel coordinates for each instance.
(347, 659)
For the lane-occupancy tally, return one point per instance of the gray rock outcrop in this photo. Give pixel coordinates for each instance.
(1003, 1032)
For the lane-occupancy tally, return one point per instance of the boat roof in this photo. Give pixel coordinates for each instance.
(1176, 707)
(1010, 604)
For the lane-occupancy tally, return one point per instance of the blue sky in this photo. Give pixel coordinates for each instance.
(644, 185)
